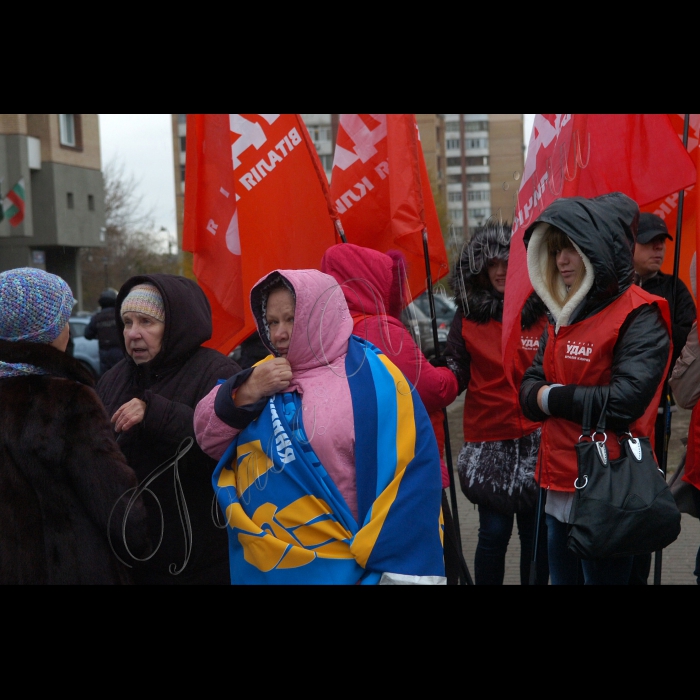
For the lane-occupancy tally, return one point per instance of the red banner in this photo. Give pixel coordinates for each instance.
(667, 207)
(256, 199)
(382, 192)
(588, 155)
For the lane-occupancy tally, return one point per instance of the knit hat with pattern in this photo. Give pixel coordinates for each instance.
(34, 305)
(144, 299)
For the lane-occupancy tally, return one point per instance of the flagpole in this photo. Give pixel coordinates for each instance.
(674, 288)
(466, 577)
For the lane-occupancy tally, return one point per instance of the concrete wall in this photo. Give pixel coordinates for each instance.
(54, 222)
(14, 164)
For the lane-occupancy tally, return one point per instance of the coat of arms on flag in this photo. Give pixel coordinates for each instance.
(13, 204)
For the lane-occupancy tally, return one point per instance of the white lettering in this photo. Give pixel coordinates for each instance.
(363, 138)
(211, 227)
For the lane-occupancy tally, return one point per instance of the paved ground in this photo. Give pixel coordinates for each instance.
(677, 560)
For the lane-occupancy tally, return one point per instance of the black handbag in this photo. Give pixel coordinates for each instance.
(621, 507)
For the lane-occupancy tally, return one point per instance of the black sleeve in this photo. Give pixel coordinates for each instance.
(638, 366)
(91, 328)
(532, 381)
(237, 416)
(684, 315)
(457, 357)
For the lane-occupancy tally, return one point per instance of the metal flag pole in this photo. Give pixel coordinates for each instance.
(666, 404)
(465, 575)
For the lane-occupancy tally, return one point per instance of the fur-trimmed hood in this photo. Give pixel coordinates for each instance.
(474, 293)
(603, 230)
(46, 357)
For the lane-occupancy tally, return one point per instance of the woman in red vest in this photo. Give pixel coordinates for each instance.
(605, 331)
(497, 462)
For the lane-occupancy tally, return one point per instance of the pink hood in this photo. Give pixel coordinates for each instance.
(322, 321)
(369, 278)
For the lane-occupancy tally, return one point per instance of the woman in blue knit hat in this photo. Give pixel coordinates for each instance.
(65, 484)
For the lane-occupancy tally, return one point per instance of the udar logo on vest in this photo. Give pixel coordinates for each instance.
(530, 342)
(578, 351)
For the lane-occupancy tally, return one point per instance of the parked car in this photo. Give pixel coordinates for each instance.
(416, 318)
(87, 351)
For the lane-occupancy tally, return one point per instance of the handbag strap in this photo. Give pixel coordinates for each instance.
(588, 410)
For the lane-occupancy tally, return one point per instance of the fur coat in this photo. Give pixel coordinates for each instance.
(61, 475)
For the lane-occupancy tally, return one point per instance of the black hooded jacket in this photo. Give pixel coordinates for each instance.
(476, 298)
(171, 385)
(604, 229)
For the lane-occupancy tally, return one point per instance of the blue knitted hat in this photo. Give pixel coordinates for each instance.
(34, 305)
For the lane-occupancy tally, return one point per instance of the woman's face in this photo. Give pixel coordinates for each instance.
(143, 336)
(279, 315)
(497, 274)
(569, 264)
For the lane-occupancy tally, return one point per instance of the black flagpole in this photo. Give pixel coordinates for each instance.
(465, 575)
(674, 288)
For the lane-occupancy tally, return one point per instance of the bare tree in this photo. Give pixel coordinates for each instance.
(131, 243)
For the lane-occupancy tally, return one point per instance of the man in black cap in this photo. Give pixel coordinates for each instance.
(649, 253)
(103, 327)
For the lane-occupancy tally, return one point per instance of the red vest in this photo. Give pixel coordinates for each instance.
(692, 457)
(491, 405)
(582, 354)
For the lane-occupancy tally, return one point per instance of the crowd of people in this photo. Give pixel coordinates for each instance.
(320, 458)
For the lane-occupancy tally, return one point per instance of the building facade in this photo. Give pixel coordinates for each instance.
(484, 163)
(57, 156)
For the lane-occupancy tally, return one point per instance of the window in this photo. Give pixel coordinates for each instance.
(327, 161)
(456, 214)
(478, 213)
(454, 196)
(452, 143)
(69, 200)
(451, 162)
(479, 195)
(70, 132)
(182, 173)
(182, 119)
(477, 143)
(478, 177)
(477, 160)
(476, 126)
(183, 140)
(91, 202)
(454, 179)
(67, 129)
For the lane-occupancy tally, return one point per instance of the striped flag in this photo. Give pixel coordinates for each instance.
(13, 204)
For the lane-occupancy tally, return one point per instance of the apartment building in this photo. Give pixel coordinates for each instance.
(484, 163)
(57, 156)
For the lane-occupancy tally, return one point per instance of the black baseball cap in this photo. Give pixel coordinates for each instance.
(650, 226)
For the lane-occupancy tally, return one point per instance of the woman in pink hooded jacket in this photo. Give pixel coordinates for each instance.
(329, 470)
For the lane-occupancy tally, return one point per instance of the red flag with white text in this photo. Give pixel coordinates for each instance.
(667, 207)
(588, 155)
(381, 190)
(256, 199)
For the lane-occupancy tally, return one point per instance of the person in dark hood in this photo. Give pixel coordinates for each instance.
(163, 321)
(63, 479)
(605, 331)
(103, 328)
(497, 462)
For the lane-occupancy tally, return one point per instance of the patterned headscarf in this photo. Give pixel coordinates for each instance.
(34, 305)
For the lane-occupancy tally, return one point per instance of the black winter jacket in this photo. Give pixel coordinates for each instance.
(604, 229)
(661, 284)
(171, 385)
(61, 474)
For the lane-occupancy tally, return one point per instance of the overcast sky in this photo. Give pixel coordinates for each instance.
(142, 143)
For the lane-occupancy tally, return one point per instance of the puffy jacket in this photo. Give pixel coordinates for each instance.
(171, 385)
(604, 230)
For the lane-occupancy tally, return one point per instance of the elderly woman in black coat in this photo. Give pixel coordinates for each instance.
(163, 321)
(64, 482)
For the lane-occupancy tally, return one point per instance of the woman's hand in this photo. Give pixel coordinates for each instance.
(128, 415)
(267, 379)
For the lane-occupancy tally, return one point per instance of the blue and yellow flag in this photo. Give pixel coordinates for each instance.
(287, 521)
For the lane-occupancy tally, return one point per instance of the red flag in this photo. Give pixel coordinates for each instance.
(256, 199)
(667, 207)
(588, 155)
(382, 192)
